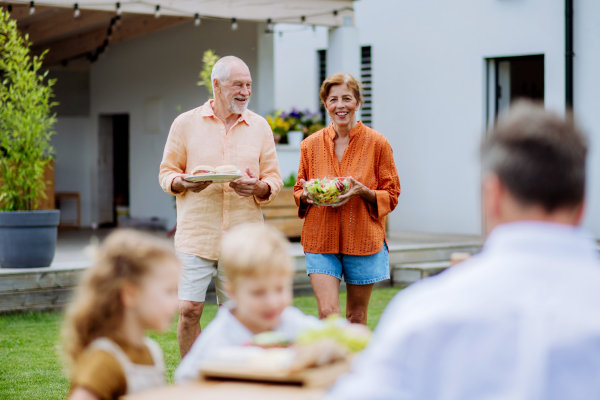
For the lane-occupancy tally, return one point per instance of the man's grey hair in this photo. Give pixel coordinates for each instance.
(222, 68)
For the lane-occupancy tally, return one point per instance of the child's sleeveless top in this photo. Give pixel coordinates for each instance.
(139, 377)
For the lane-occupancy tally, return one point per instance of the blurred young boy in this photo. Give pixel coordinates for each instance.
(259, 269)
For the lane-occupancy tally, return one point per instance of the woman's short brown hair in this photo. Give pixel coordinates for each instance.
(340, 78)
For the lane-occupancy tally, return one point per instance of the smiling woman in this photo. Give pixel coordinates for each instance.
(347, 240)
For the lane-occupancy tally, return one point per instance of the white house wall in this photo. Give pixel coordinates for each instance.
(429, 92)
(163, 67)
(296, 66)
(72, 166)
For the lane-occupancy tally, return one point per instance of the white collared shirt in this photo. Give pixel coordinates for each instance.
(521, 320)
(226, 330)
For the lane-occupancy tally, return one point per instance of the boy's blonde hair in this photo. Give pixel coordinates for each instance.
(254, 250)
(97, 309)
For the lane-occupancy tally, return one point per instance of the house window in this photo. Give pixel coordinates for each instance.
(322, 69)
(366, 78)
(512, 78)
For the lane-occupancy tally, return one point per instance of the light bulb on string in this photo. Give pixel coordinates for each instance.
(270, 25)
(234, 24)
(9, 8)
(76, 13)
(157, 12)
(197, 21)
(118, 21)
(303, 19)
(31, 8)
(119, 9)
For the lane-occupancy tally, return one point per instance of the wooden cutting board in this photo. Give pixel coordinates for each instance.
(319, 377)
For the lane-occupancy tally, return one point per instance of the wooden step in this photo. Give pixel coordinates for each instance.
(51, 288)
(405, 274)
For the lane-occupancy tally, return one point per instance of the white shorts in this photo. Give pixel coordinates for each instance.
(196, 274)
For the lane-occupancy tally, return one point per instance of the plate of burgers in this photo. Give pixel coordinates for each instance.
(206, 173)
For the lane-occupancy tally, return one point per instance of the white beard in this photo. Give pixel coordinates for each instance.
(234, 108)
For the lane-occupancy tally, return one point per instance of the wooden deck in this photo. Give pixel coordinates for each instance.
(52, 287)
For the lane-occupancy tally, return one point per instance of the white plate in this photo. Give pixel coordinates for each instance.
(214, 178)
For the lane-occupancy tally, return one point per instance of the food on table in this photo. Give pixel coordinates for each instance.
(203, 170)
(354, 337)
(326, 191)
(270, 339)
(227, 169)
(317, 354)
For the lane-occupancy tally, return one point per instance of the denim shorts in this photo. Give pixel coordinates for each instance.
(356, 270)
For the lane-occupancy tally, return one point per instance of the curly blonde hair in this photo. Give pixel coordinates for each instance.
(253, 250)
(97, 309)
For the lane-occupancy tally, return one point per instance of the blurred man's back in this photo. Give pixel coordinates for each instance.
(521, 320)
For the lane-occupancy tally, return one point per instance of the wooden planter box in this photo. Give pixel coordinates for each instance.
(282, 213)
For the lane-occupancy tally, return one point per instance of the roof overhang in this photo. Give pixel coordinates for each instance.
(315, 12)
(53, 25)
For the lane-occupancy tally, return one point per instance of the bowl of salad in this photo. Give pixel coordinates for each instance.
(326, 191)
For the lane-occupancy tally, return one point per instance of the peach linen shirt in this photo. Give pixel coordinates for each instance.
(356, 228)
(198, 137)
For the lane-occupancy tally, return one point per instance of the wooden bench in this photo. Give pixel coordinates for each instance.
(282, 213)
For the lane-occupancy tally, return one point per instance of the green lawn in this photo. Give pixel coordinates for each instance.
(30, 367)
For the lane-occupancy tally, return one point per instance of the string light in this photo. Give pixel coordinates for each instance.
(31, 8)
(303, 19)
(157, 12)
(270, 25)
(118, 21)
(76, 13)
(119, 9)
(234, 25)
(197, 20)
(9, 8)
(335, 13)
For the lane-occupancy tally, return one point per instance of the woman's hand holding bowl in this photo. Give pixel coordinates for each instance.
(357, 189)
(304, 199)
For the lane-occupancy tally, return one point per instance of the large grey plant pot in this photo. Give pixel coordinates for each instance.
(28, 238)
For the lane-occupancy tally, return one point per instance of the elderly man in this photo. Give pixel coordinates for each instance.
(220, 132)
(520, 320)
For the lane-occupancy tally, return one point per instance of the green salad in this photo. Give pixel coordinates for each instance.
(354, 337)
(325, 192)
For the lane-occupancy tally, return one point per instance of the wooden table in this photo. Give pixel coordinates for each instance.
(227, 390)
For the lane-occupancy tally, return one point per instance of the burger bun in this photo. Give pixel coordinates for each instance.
(203, 170)
(227, 169)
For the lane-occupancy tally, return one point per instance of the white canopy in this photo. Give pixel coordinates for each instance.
(315, 12)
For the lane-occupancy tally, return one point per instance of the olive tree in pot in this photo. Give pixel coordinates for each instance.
(27, 235)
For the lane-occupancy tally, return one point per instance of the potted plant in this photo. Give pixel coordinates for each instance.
(310, 123)
(279, 126)
(295, 134)
(27, 235)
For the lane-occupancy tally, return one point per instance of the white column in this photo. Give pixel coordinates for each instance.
(264, 87)
(343, 50)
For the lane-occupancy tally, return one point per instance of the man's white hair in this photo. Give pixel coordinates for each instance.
(222, 68)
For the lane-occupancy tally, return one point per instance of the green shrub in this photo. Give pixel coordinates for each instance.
(209, 59)
(25, 120)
